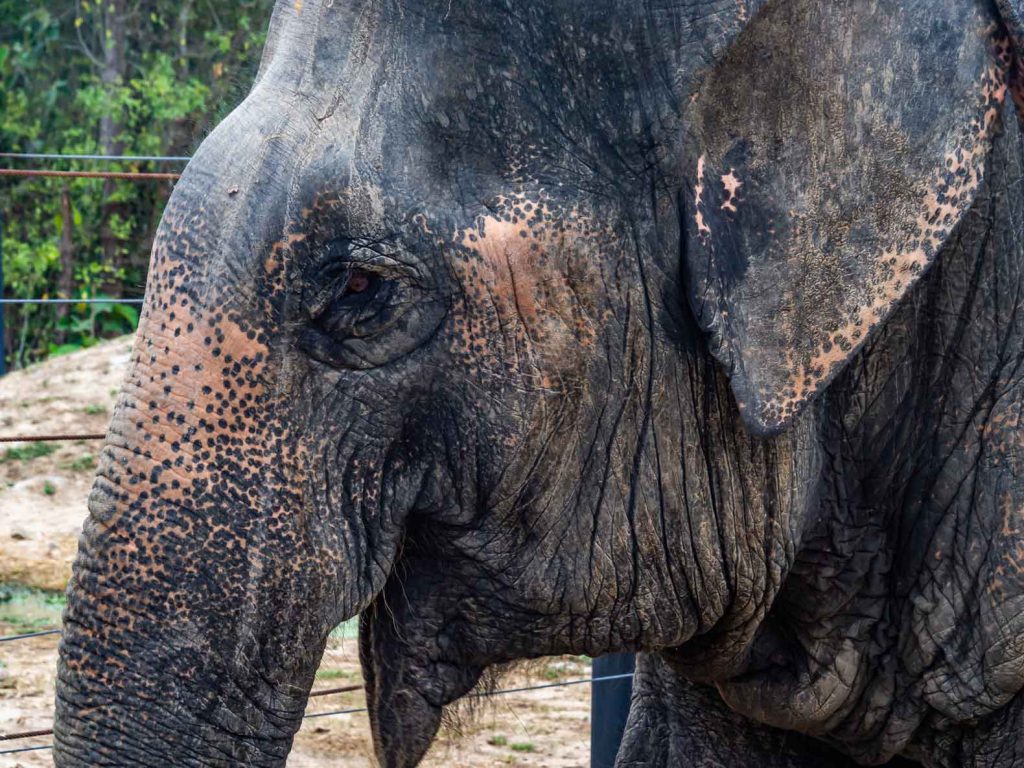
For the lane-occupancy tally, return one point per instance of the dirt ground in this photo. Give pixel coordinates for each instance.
(43, 486)
(548, 727)
(42, 505)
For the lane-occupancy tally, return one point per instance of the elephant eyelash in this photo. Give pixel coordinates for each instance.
(341, 260)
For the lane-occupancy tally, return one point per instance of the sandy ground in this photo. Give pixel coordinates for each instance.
(42, 506)
(43, 487)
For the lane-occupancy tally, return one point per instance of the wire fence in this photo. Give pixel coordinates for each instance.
(75, 174)
(349, 711)
(18, 302)
(117, 175)
(28, 635)
(49, 438)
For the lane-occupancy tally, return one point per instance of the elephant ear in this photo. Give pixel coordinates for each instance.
(836, 146)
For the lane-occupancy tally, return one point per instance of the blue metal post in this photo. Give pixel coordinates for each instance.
(609, 707)
(3, 335)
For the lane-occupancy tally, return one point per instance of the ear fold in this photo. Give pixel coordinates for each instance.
(1013, 17)
(836, 146)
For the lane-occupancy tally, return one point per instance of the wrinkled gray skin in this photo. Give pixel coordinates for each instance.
(518, 329)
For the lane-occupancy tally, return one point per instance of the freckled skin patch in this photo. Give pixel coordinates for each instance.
(731, 184)
(534, 268)
(703, 230)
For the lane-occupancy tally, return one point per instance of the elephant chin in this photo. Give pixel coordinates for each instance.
(403, 722)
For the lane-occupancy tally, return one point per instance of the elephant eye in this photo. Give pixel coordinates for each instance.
(365, 305)
(359, 281)
(358, 287)
(355, 302)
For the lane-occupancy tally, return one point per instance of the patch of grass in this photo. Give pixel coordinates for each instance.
(20, 624)
(522, 746)
(27, 452)
(334, 674)
(84, 463)
(49, 488)
(94, 409)
(29, 610)
(498, 741)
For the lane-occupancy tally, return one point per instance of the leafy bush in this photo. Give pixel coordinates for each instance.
(182, 66)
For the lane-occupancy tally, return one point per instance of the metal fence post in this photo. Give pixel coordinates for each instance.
(609, 707)
(3, 333)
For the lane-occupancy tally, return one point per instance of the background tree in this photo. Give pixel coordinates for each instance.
(149, 77)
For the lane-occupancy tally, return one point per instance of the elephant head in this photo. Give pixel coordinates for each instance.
(505, 327)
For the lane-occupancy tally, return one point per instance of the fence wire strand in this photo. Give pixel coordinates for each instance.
(70, 301)
(25, 749)
(27, 635)
(25, 734)
(50, 439)
(98, 158)
(118, 175)
(356, 710)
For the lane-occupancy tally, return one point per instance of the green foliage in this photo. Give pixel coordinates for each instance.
(336, 674)
(160, 74)
(49, 488)
(523, 746)
(88, 323)
(498, 741)
(27, 453)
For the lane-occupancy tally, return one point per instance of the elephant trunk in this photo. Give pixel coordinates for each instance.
(206, 585)
(219, 552)
(201, 598)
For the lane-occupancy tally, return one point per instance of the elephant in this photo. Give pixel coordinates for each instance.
(693, 329)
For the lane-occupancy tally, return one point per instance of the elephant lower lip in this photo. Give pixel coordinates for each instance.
(404, 725)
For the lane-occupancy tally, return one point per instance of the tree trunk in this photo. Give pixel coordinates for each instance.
(177, 136)
(65, 284)
(112, 76)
